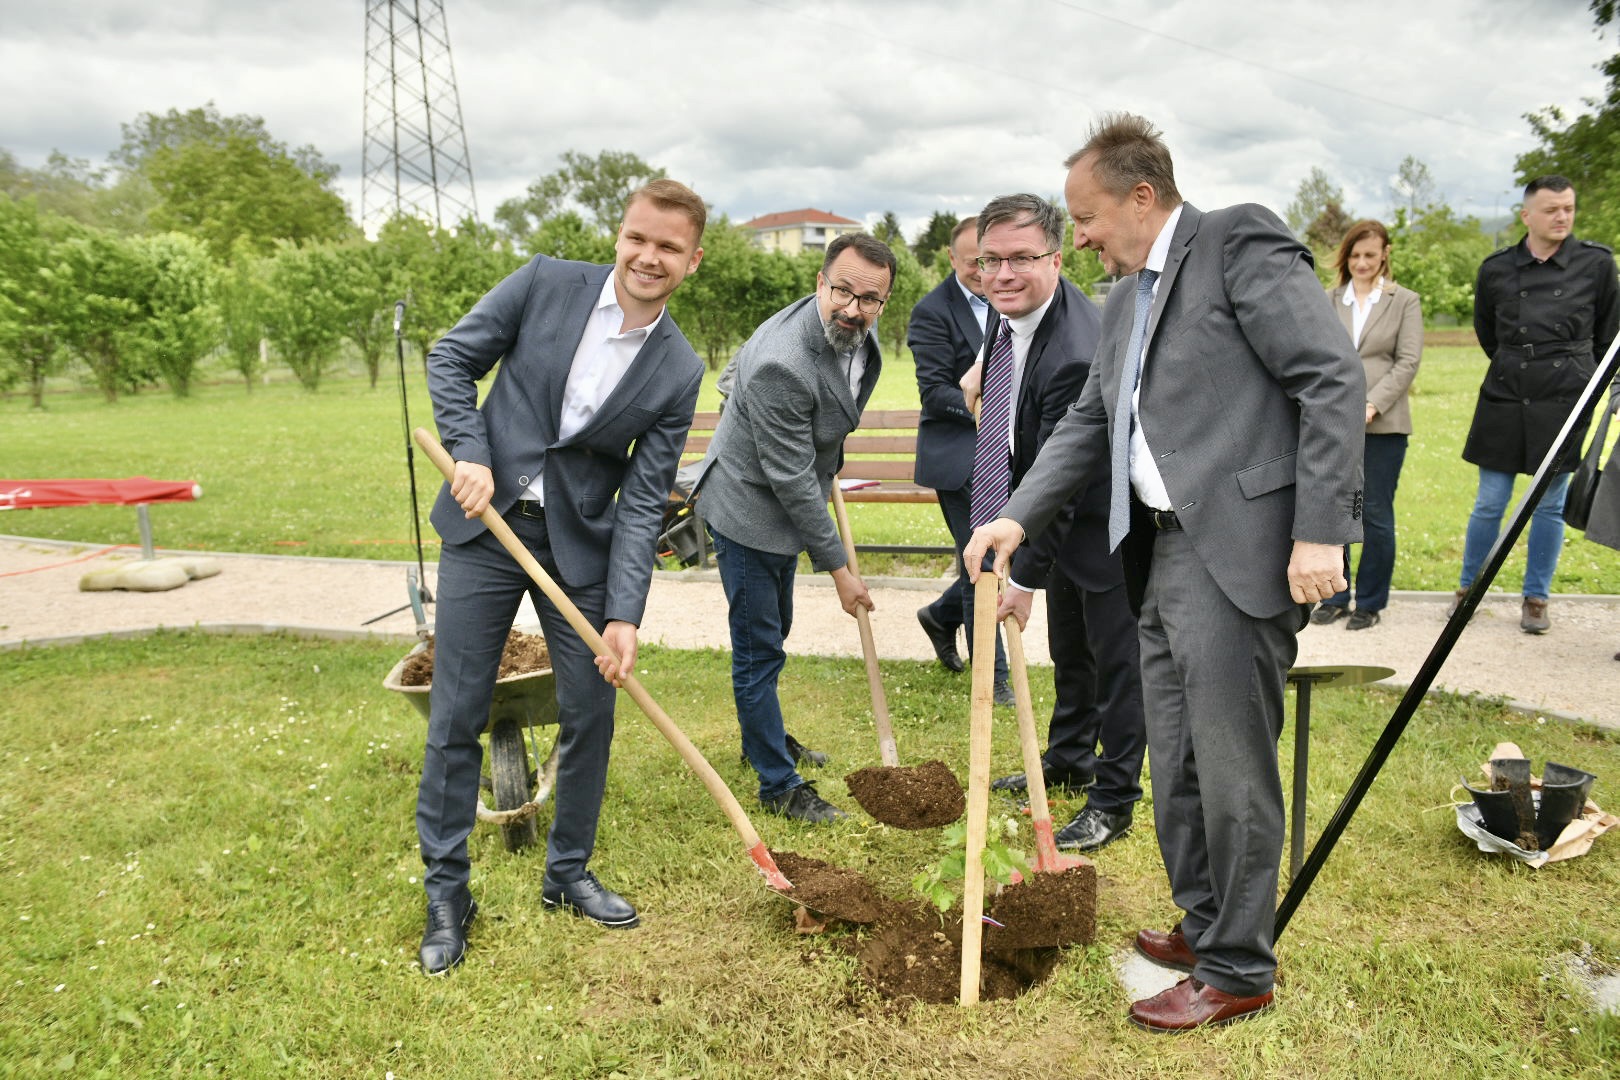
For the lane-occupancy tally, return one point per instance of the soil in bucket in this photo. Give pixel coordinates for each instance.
(523, 653)
(922, 796)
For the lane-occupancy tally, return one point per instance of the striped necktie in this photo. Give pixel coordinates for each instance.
(992, 460)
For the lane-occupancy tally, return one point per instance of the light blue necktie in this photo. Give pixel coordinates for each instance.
(1119, 492)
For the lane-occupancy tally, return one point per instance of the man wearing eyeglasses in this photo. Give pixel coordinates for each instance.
(799, 385)
(1046, 331)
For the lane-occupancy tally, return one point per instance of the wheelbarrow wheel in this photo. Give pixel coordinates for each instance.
(509, 768)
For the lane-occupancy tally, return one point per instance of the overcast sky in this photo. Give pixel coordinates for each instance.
(857, 108)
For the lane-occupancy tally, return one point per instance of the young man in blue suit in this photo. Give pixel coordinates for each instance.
(575, 446)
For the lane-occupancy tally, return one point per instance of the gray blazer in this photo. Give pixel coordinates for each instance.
(1252, 400)
(780, 440)
(606, 486)
(1391, 348)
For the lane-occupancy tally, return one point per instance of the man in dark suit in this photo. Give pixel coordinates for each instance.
(1226, 408)
(800, 384)
(946, 331)
(1047, 330)
(575, 446)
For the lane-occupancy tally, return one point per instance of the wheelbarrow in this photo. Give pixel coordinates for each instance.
(522, 703)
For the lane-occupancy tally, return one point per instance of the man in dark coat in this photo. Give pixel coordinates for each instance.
(1544, 309)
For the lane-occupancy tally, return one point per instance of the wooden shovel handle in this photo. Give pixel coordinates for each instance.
(978, 793)
(638, 693)
(874, 678)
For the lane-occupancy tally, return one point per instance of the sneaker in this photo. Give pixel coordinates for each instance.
(1360, 620)
(1456, 602)
(1327, 613)
(1003, 694)
(803, 804)
(1533, 616)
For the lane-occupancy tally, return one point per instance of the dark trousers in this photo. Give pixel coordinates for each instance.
(954, 606)
(1381, 473)
(480, 587)
(1212, 680)
(1097, 724)
(759, 602)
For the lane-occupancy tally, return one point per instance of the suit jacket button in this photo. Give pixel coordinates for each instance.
(523, 481)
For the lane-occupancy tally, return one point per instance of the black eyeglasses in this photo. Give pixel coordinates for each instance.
(1021, 264)
(869, 305)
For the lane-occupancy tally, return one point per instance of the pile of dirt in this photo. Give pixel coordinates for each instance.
(918, 954)
(913, 951)
(922, 796)
(523, 653)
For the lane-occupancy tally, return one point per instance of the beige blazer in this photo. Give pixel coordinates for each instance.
(1391, 347)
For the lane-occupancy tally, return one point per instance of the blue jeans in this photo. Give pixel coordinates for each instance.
(759, 592)
(1382, 472)
(1546, 531)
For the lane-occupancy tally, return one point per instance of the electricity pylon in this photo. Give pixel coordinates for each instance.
(414, 157)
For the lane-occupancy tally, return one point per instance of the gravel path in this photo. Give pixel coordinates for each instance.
(1569, 672)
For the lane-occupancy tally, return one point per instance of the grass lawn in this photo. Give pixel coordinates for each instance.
(287, 471)
(208, 861)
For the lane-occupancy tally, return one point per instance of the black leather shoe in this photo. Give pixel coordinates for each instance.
(1361, 620)
(590, 899)
(1328, 613)
(1003, 694)
(803, 804)
(943, 639)
(803, 755)
(444, 942)
(1067, 781)
(1092, 829)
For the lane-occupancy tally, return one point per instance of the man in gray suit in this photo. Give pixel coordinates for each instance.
(575, 446)
(1227, 406)
(800, 384)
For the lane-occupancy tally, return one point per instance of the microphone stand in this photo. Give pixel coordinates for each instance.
(416, 586)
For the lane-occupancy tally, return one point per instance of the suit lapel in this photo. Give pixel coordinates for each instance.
(1028, 395)
(575, 305)
(829, 368)
(962, 312)
(636, 377)
(1180, 241)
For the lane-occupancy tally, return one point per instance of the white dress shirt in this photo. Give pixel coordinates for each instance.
(1145, 477)
(603, 356)
(976, 303)
(1359, 310)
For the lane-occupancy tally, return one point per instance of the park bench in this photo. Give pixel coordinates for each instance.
(880, 459)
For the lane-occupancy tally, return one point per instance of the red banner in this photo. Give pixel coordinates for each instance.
(26, 494)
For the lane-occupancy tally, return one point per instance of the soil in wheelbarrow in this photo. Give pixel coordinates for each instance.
(523, 653)
(922, 796)
(917, 954)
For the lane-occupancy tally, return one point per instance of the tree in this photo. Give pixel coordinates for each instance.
(303, 313)
(177, 321)
(566, 235)
(222, 177)
(936, 236)
(367, 306)
(600, 186)
(1083, 268)
(72, 187)
(1585, 149)
(1315, 192)
(241, 298)
(1437, 255)
(888, 230)
(713, 305)
(34, 288)
(98, 317)
(911, 284)
(1413, 186)
(1324, 234)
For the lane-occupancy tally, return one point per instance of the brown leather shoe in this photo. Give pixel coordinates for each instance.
(1170, 949)
(1192, 1004)
(1456, 602)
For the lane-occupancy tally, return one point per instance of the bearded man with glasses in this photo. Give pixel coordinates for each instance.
(798, 387)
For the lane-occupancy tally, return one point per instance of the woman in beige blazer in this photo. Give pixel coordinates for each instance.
(1385, 322)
